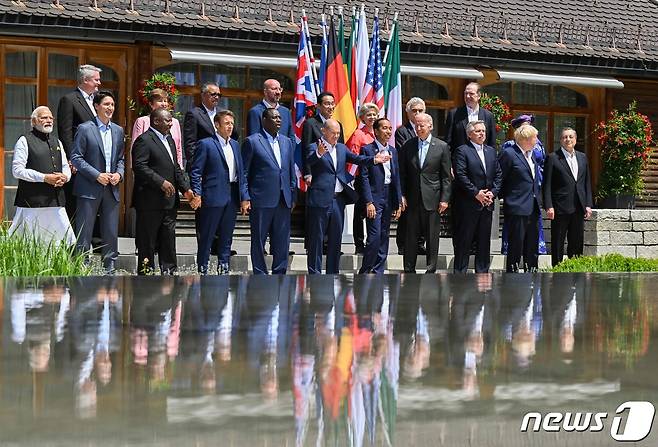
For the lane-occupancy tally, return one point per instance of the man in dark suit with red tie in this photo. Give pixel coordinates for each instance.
(567, 196)
(269, 164)
(158, 178)
(74, 109)
(520, 191)
(459, 117)
(217, 175)
(476, 186)
(426, 187)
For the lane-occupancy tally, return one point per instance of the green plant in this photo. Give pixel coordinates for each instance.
(164, 81)
(26, 255)
(499, 109)
(612, 262)
(624, 139)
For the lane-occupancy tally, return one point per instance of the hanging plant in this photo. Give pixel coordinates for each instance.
(625, 140)
(164, 81)
(499, 109)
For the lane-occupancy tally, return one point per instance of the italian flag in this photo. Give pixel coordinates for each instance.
(393, 82)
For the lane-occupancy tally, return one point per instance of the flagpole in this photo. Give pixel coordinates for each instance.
(390, 36)
(307, 35)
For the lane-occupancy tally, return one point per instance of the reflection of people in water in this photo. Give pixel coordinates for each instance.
(564, 311)
(35, 313)
(96, 322)
(412, 328)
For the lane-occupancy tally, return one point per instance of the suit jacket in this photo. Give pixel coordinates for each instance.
(561, 191)
(519, 189)
(88, 157)
(430, 184)
(370, 182)
(321, 192)
(72, 111)
(209, 173)
(197, 125)
(456, 122)
(470, 176)
(404, 134)
(152, 165)
(143, 123)
(265, 179)
(312, 132)
(255, 115)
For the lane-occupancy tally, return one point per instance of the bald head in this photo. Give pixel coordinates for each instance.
(161, 120)
(331, 131)
(272, 91)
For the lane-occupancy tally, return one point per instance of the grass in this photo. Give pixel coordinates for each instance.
(26, 255)
(612, 262)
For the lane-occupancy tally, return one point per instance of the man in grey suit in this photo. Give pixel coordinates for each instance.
(98, 156)
(425, 181)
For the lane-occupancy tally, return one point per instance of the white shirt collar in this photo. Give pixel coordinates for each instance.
(429, 139)
(271, 138)
(326, 143)
(567, 154)
(224, 141)
(159, 135)
(270, 106)
(472, 111)
(380, 146)
(102, 125)
(210, 112)
(85, 94)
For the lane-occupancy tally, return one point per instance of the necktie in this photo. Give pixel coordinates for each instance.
(423, 152)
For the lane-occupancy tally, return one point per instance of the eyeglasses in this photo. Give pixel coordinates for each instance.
(215, 95)
(417, 111)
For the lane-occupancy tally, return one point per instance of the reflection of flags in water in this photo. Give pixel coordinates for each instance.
(305, 97)
(373, 90)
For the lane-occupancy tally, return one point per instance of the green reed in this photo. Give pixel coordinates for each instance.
(27, 255)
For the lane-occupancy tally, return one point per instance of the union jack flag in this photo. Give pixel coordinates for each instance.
(305, 97)
(374, 86)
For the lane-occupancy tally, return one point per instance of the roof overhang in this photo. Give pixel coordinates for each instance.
(585, 81)
(213, 57)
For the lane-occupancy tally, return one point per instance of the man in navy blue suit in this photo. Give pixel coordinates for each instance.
(476, 186)
(269, 165)
(98, 155)
(329, 193)
(272, 95)
(217, 176)
(520, 190)
(379, 191)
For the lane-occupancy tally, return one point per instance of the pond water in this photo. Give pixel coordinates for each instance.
(393, 360)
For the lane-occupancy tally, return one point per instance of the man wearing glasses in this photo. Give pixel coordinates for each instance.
(198, 122)
(272, 91)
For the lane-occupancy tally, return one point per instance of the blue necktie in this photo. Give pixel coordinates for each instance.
(423, 152)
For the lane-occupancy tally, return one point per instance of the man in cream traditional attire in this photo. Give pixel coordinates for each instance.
(41, 168)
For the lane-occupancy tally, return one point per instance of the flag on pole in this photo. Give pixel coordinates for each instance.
(305, 97)
(351, 59)
(362, 55)
(336, 83)
(323, 54)
(373, 90)
(393, 81)
(341, 35)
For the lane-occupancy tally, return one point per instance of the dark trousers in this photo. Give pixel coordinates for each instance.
(470, 227)
(218, 220)
(107, 208)
(357, 227)
(523, 241)
(401, 233)
(156, 229)
(71, 200)
(275, 223)
(325, 221)
(425, 223)
(570, 227)
(376, 249)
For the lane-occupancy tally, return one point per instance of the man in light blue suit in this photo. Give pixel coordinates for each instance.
(269, 165)
(217, 175)
(272, 95)
(97, 155)
(329, 193)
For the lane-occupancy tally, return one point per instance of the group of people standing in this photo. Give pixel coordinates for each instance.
(416, 181)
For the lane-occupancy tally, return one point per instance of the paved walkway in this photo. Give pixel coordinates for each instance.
(350, 263)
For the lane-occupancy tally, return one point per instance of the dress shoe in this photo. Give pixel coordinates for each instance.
(358, 250)
(109, 268)
(223, 269)
(233, 252)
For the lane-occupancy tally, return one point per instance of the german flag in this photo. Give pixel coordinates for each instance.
(336, 83)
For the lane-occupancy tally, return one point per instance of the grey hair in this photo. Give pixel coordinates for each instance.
(425, 116)
(204, 87)
(470, 127)
(35, 112)
(367, 107)
(87, 71)
(414, 102)
(568, 129)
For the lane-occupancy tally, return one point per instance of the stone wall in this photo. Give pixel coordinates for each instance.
(632, 233)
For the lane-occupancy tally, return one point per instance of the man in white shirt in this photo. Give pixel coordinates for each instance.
(41, 168)
(459, 117)
(567, 196)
